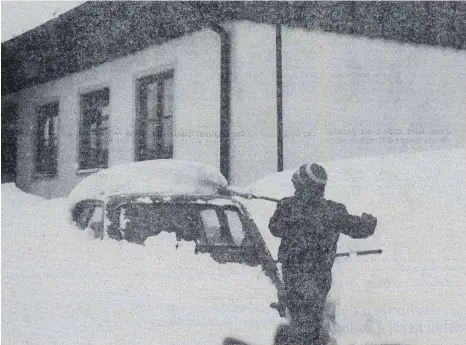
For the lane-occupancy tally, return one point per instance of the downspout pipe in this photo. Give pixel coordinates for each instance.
(225, 95)
(279, 73)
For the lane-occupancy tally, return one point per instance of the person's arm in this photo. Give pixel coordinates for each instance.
(354, 226)
(281, 219)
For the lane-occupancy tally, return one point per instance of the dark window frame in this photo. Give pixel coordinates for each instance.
(46, 155)
(10, 133)
(89, 157)
(142, 152)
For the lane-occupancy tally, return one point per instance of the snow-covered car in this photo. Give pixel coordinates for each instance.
(178, 207)
(409, 287)
(218, 225)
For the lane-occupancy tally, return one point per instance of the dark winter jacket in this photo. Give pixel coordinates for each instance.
(310, 230)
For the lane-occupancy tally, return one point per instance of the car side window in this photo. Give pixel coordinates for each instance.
(81, 214)
(96, 221)
(135, 222)
(90, 214)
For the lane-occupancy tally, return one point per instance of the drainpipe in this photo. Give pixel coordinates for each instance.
(278, 47)
(225, 92)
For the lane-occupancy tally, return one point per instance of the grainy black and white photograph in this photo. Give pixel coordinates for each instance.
(233, 173)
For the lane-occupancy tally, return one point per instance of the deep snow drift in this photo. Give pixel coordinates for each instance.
(62, 287)
(413, 293)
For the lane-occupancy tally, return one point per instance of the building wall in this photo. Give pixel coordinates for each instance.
(253, 136)
(345, 96)
(196, 62)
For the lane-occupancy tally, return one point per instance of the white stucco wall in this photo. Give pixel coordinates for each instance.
(347, 96)
(195, 59)
(253, 101)
(343, 96)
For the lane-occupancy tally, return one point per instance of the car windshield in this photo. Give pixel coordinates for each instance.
(207, 224)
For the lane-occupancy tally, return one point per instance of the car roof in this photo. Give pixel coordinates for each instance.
(167, 197)
(164, 177)
(149, 198)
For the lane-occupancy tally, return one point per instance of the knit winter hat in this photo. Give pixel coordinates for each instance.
(309, 174)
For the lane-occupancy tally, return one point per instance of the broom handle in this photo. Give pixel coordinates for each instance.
(248, 195)
(361, 252)
(358, 253)
(264, 198)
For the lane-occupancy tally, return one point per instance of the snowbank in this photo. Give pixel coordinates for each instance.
(62, 287)
(18, 209)
(414, 292)
(158, 176)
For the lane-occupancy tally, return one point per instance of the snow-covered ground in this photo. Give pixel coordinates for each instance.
(62, 287)
(413, 293)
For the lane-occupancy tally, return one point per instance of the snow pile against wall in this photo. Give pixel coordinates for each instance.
(157, 176)
(412, 292)
(13, 196)
(62, 287)
(22, 208)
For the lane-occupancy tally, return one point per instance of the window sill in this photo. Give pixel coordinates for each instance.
(44, 176)
(88, 171)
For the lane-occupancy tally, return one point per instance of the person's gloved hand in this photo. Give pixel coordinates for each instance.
(369, 220)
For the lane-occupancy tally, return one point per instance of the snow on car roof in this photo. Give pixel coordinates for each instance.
(116, 200)
(164, 176)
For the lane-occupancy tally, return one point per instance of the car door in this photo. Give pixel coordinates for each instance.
(89, 214)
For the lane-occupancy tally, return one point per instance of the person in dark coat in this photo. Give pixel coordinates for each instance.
(309, 227)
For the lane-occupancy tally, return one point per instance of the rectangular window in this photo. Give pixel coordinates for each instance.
(94, 129)
(47, 139)
(154, 132)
